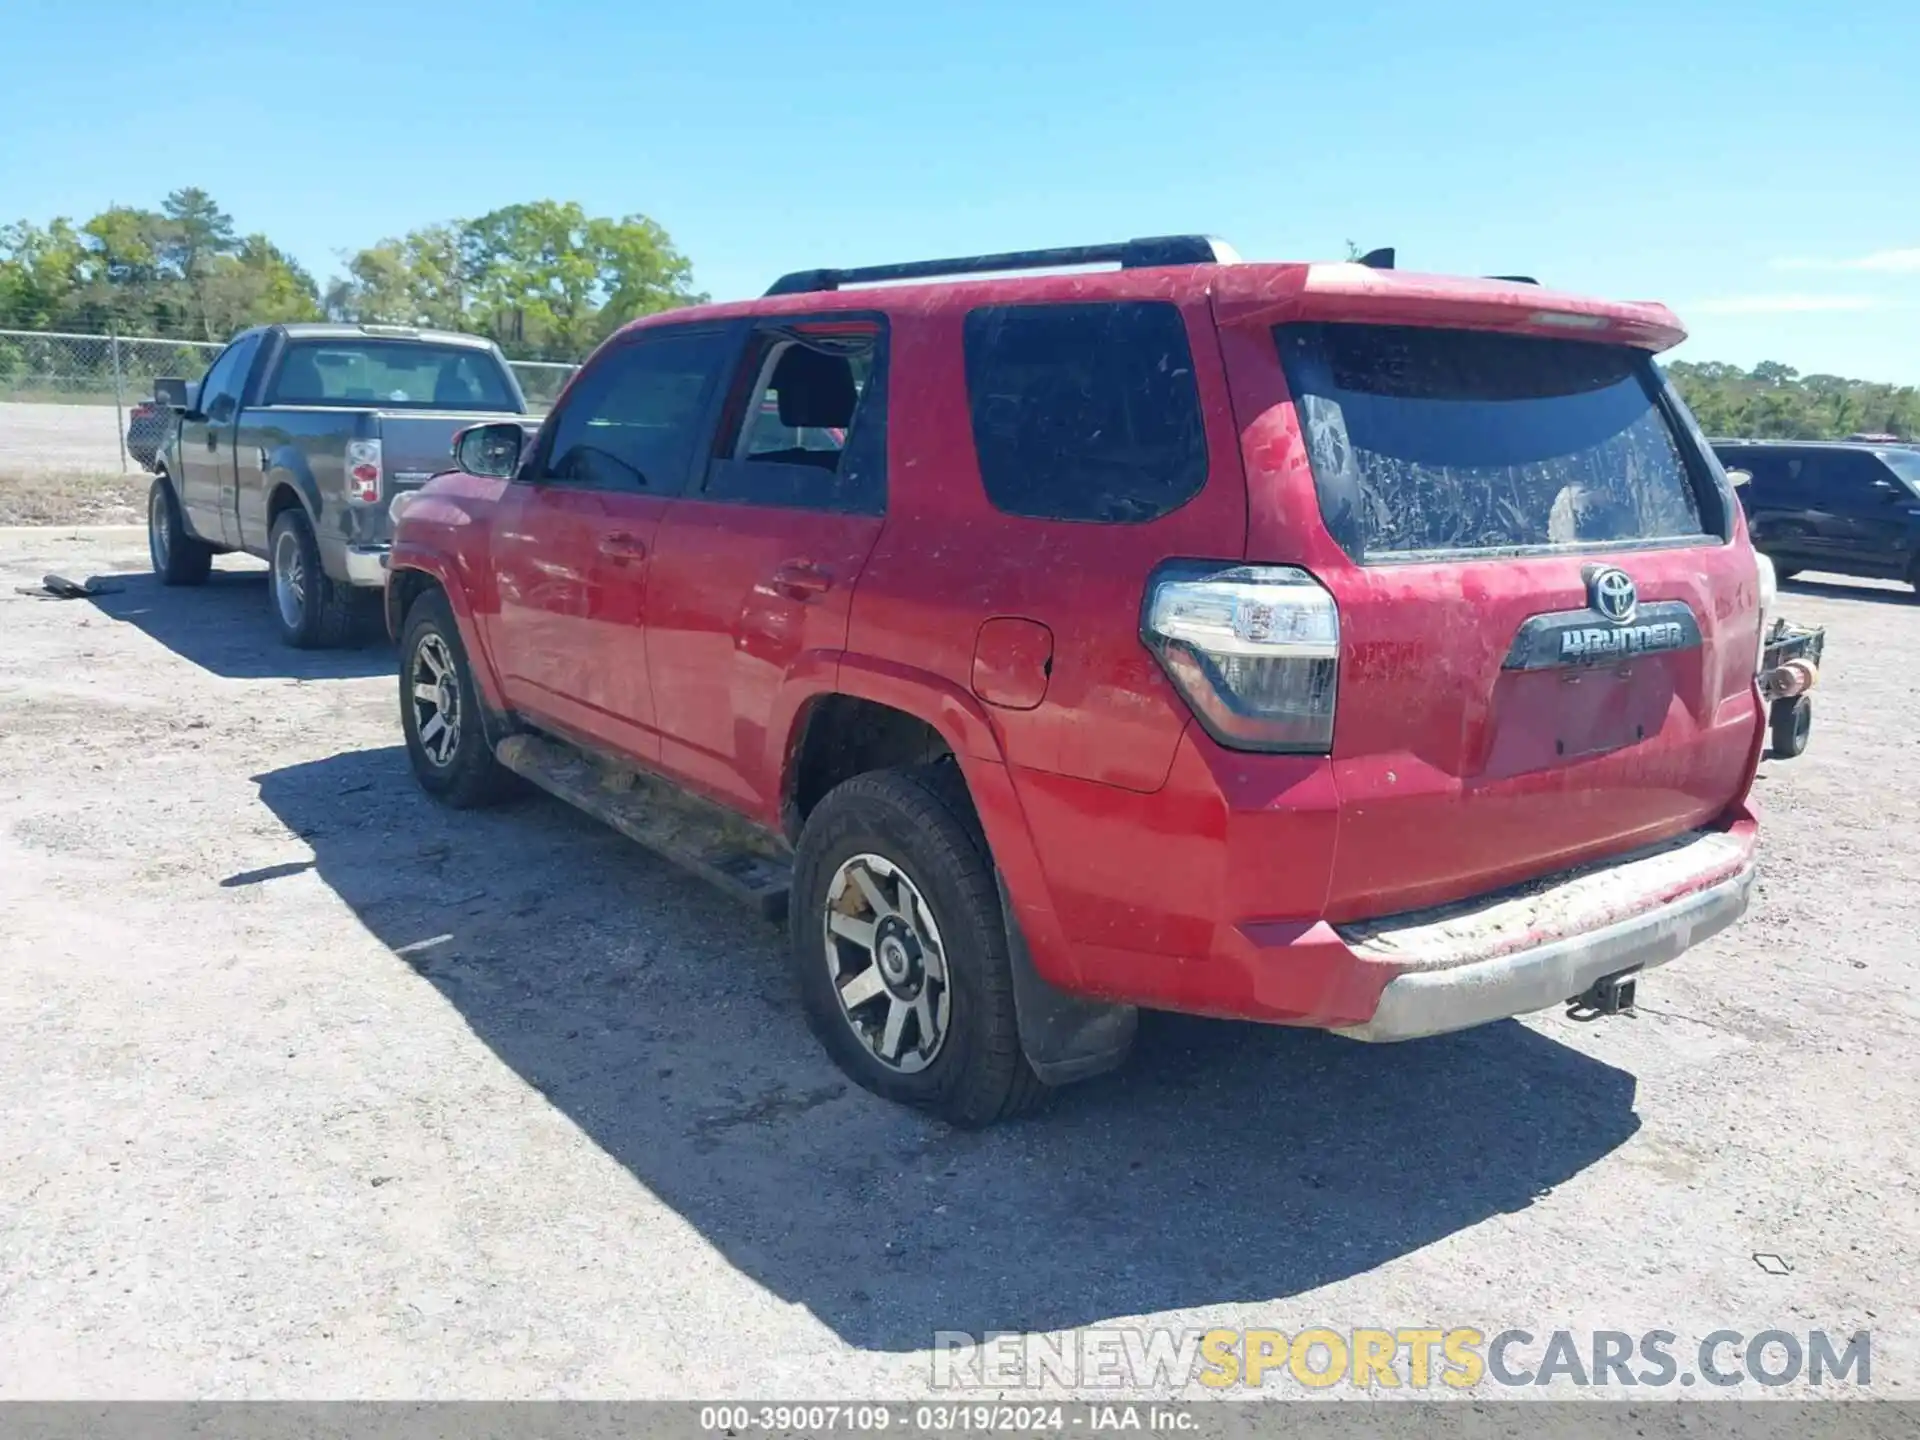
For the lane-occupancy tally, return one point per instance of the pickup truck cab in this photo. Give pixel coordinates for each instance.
(293, 446)
(1315, 644)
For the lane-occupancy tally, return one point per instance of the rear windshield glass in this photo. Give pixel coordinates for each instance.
(1426, 440)
(392, 374)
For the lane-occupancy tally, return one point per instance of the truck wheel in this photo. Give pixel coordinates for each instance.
(312, 612)
(178, 558)
(901, 947)
(440, 711)
(1792, 722)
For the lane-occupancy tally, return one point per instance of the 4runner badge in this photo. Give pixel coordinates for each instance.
(1615, 626)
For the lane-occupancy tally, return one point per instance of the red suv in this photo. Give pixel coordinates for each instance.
(1308, 643)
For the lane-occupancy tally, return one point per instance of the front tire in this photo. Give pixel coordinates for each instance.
(900, 947)
(178, 558)
(440, 711)
(310, 610)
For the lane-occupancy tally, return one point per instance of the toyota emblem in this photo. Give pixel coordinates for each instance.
(1611, 592)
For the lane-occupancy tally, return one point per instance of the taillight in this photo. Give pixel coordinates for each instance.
(1769, 597)
(363, 471)
(1255, 649)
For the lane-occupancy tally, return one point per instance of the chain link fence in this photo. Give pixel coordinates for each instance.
(110, 375)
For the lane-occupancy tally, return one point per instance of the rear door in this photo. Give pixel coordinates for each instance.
(1548, 636)
(754, 570)
(574, 536)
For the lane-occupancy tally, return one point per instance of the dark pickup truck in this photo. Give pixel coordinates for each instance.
(293, 447)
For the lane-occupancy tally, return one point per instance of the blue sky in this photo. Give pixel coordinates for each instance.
(1754, 164)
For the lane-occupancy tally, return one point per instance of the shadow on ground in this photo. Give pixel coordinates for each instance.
(1226, 1163)
(225, 627)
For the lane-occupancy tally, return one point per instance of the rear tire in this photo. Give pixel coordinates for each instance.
(446, 735)
(310, 610)
(178, 558)
(922, 970)
(1792, 725)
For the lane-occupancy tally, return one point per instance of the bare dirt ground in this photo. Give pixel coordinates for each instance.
(315, 1089)
(60, 465)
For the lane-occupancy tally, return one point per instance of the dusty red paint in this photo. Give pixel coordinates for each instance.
(1144, 861)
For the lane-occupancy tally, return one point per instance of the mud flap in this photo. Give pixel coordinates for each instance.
(1065, 1038)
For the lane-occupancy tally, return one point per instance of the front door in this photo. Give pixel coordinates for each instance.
(205, 446)
(573, 541)
(1867, 506)
(754, 570)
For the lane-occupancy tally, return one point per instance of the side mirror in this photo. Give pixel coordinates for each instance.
(490, 450)
(171, 391)
(1737, 478)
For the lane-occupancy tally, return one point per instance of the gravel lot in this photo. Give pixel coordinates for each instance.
(63, 439)
(318, 1090)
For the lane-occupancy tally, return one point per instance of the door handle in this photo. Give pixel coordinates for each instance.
(621, 547)
(802, 579)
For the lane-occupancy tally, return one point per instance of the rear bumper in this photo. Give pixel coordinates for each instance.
(1507, 952)
(366, 565)
(1433, 1002)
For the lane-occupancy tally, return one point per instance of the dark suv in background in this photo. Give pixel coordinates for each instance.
(1841, 506)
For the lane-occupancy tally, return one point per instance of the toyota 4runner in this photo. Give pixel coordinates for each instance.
(1308, 643)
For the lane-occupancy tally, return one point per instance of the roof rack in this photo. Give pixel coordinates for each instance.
(1515, 279)
(1128, 254)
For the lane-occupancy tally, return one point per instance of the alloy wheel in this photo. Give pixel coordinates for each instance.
(435, 684)
(289, 579)
(887, 963)
(159, 540)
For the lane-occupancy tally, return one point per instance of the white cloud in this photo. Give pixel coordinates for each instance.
(1880, 262)
(1778, 304)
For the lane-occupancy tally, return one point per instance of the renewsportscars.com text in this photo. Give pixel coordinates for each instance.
(1460, 1358)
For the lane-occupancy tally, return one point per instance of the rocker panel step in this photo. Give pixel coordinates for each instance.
(692, 833)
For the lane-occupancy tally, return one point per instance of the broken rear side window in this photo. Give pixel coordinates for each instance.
(1443, 441)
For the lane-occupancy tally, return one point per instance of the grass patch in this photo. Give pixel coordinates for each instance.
(73, 497)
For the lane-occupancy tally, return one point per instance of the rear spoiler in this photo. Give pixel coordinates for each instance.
(1273, 294)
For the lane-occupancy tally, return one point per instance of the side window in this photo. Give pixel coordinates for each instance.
(1853, 474)
(1769, 474)
(1085, 412)
(1836, 477)
(226, 378)
(807, 424)
(633, 419)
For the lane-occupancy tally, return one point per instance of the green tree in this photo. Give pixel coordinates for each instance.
(198, 233)
(550, 282)
(418, 279)
(544, 279)
(39, 270)
(258, 286)
(1774, 401)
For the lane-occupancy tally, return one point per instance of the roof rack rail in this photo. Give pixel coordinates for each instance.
(1128, 254)
(1515, 279)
